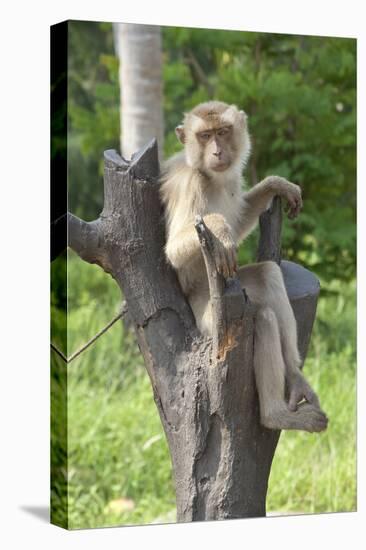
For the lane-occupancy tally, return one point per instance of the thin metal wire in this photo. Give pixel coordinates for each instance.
(76, 353)
(59, 352)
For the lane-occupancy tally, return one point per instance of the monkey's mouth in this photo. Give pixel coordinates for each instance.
(220, 166)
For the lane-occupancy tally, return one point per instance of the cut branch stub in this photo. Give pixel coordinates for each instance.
(113, 160)
(230, 474)
(145, 163)
(87, 240)
(226, 297)
(270, 225)
(301, 284)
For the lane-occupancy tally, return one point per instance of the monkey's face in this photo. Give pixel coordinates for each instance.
(215, 137)
(216, 145)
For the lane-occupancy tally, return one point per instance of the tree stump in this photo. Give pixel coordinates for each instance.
(204, 388)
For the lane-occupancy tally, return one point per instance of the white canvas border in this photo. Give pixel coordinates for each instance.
(25, 269)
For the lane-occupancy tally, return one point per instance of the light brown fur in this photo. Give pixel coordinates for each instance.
(206, 179)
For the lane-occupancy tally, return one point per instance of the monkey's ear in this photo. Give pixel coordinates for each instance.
(243, 115)
(230, 116)
(179, 132)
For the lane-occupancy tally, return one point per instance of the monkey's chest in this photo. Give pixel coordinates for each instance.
(226, 203)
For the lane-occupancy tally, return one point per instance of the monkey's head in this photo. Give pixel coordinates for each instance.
(215, 137)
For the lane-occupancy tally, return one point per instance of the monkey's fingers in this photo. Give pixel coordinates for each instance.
(291, 205)
(225, 259)
(294, 209)
(292, 214)
(231, 260)
(226, 263)
(225, 267)
(229, 264)
(220, 261)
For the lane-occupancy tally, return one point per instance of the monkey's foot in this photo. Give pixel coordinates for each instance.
(307, 417)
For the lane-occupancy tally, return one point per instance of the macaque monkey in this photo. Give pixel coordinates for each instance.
(206, 179)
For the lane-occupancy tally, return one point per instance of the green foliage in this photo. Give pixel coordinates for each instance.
(59, 489)
(326, 480)
(299, 93)
(116, 445)
(93, 109)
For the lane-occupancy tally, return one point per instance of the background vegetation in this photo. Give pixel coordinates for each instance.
(299, 93)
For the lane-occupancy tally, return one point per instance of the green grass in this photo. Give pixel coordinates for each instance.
(317, 472)
(117, 450)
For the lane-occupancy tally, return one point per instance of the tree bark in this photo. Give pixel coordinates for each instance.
(270, 225)
(204, 388)
(140, 75)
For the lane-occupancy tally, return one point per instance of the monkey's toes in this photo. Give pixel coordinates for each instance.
(314, 419)
(319, 424)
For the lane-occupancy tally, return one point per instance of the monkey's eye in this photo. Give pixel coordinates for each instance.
(205, 136)
(223, 131)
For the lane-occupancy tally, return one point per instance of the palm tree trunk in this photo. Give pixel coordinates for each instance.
(140, 75)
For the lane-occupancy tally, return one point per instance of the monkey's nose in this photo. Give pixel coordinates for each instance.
(217, 154)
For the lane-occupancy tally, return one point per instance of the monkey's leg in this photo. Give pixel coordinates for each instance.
(269, 371)
(264, 285)
(275, 296)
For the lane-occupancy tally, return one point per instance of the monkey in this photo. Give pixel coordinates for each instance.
(205, 179)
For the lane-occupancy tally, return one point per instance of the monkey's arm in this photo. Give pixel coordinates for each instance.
(259, 197)
(184, 246)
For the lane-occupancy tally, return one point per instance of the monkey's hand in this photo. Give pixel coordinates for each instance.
(223, 246)
(291, 193)
(224, 253)
(298, 390)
